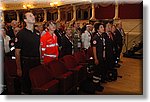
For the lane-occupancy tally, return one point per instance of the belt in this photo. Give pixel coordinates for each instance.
(30, 58)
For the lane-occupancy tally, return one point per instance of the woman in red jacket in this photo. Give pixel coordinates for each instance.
(49, 45)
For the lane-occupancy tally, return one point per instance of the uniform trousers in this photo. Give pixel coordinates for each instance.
(101, 70)
(118, 52)
(27, 64)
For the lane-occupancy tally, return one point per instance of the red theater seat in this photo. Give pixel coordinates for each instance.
(42, 81)
(71, 64)
(66, 78)
(80, 57)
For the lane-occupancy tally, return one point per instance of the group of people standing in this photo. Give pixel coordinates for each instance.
(34, 47)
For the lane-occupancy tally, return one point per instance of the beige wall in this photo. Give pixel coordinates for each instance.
(128, 24)
(136, 34)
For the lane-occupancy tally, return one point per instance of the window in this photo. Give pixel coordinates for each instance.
(85, 15)
(79, 14)
(54, 16)
(49, 16)
(69, 16)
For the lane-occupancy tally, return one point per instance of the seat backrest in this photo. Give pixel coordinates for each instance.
(69, 61)
(80, 56)
(39, 76)
(56, 68)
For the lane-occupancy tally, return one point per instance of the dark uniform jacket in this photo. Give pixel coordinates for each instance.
(66, 46)
(104, 48)
(12, 47)
(10, 32)
(59, 35)
(119, 38)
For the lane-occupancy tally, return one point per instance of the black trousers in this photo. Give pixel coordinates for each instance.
(101, 69)
(118, 52)
(26, 65)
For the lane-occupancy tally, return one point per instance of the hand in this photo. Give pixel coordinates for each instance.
(19, 72)
(42, 62)
(60, 48)
(96, 61)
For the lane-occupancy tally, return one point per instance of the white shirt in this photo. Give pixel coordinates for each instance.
(6, 44)
(86, 38)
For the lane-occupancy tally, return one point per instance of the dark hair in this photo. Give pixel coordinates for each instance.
(24, 16)
(96, 26)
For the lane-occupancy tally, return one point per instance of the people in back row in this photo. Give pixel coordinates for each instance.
(12, 43)
(67, 43)
(10, 28)
(59, 33)
(6, 40)
(86, 37)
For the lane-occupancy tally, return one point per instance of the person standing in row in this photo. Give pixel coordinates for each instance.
(12, 43)
(99, 51)
(27, 44)
(86, 37)
(120, 38)
(6, 39)
(67, 43)
(49, 45)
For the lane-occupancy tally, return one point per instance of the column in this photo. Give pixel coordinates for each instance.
(45, 15)
(116, 9)
(82, 14)
(93, 12)
(58, 19)
(2, 16)
(18, 19)
(88, 13)
(74, 13)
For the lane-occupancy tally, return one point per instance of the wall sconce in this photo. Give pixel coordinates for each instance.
(28, 6)
(1, 7)
(54, 4)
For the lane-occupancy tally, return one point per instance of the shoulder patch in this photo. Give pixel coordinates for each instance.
(94, 42)
(12, 44)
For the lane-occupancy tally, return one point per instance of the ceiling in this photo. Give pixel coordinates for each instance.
(24, 4)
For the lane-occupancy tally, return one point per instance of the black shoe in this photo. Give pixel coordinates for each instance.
(120, 61)
(99, 88)
(117, 65)
(103, 81)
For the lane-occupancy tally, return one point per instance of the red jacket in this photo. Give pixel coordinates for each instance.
(49, 47)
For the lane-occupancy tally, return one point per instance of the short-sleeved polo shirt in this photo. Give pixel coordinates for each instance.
(28, 42)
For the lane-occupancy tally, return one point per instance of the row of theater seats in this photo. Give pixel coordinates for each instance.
(61, 76)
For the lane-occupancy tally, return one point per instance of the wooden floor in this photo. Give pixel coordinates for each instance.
(131, 81)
